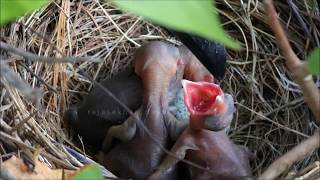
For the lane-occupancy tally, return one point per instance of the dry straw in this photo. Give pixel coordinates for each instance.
(271, 115)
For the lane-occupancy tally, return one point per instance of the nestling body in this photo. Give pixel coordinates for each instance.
(93, 117)
(216, 152)
(138, 157)
(160, 67)
(213, 150)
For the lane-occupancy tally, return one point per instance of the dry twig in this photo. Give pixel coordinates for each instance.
(297, 153)
(309, 89)
(294, 64)
(273, 93)
(33, 57)
(34, 94)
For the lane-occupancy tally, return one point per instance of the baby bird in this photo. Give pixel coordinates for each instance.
(93, 117)
(157, 65)
(199, 143)
(98, 111)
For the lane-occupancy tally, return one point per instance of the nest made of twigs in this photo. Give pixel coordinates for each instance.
(271, 115)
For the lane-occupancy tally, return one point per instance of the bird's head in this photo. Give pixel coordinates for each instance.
(209, 107)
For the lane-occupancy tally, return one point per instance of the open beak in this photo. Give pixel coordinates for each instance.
(203, 98)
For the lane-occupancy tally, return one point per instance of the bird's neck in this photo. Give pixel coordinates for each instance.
(155, 103)
(196, 122)
(155, 91)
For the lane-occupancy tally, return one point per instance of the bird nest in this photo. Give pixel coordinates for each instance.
(271, 116)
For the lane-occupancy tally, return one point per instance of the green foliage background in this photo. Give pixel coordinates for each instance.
(12, 9)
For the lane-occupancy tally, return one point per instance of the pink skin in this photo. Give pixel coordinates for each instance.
(202, 99)
(213, 149)
(194, 70)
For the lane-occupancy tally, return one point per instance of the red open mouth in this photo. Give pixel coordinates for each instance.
(203, 98)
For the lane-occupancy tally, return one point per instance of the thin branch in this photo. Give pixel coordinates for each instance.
(294, 64)
(310, 92)
(21, 123)
(39, 78)
(34, 57)
(34, 94)
(295, 154)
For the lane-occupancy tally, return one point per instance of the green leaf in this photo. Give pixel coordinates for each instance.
(91, 171)
(195, 16)
(12, 9)
(314, 61)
